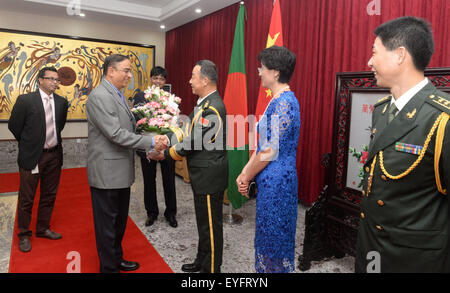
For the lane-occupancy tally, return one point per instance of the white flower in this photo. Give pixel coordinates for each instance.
(166, 117)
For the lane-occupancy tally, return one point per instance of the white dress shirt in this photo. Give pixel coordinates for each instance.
(201, 99)
(401, 102)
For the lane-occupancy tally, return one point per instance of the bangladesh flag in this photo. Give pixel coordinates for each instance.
(235, 100)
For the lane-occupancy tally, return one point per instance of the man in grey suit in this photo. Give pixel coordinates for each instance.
(111, 144)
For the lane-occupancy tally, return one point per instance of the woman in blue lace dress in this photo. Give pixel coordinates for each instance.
(273, 166)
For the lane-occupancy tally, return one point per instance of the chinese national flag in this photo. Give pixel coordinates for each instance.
(275, 37)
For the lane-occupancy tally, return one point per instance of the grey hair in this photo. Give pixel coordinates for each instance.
(112, 60)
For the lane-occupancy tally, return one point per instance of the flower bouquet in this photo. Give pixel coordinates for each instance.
(362, 158)
(160, 112)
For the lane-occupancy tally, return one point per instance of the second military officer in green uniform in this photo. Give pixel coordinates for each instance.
(405, 219)
(204, 146)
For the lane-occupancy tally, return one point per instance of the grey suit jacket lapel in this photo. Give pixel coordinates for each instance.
(401, 125)
(116, 96)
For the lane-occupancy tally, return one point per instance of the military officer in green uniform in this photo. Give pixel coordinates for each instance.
(204, 146)
(405, 208)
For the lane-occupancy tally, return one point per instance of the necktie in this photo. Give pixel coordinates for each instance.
(123, 98)
(391, 113)
(50, 129)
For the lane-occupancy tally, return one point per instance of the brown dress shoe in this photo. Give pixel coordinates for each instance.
(24, 244)
(49, 234)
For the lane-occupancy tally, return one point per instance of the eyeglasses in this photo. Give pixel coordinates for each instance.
(52, 79)
(126, 70)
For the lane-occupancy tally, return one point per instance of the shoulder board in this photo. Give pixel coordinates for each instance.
(383, 100)
(440, 101)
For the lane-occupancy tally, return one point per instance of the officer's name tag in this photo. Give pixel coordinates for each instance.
(408, 148)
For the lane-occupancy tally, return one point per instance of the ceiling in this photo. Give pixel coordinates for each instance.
(149, 13)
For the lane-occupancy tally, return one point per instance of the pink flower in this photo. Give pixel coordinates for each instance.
(155, 105)
(171, 110)
(142, 121)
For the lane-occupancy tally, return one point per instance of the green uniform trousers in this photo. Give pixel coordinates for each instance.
(208, 212)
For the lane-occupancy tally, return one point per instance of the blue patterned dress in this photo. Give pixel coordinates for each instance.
(277, 202)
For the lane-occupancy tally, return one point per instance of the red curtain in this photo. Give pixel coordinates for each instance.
(328, 36)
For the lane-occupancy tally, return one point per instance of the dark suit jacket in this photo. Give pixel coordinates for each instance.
(139, 98)
(406, 220)
(27, 124)
(204, 146)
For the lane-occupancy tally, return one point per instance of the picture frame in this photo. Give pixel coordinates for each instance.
(79, 63)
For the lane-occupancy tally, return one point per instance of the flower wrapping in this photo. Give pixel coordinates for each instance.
(160, 112)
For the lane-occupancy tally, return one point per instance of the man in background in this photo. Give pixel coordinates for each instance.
(36, 122)
(158, 77)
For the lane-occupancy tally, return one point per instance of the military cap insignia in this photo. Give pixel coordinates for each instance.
(411, 115)
(408, 148)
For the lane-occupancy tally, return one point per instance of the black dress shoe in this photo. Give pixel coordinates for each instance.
(172, 221)
(24, 244)
(150, 220)
(126, 265)
(191, 268)
(49, 234)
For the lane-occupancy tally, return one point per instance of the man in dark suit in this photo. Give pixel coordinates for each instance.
(111, 144)
(158, 77)
(405, 219)
(204, 146)
(36, 122)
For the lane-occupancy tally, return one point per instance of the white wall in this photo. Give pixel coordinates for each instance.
(74, 26)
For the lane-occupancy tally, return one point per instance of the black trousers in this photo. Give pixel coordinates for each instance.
(49, 173)
(110, 207)
(208, 212)
(168, 176)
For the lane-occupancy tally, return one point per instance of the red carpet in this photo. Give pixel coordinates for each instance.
(9, 182)
(73, 218)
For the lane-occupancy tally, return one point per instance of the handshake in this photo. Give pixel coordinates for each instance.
(161, 144)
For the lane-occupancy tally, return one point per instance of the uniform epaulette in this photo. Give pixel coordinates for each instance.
(383, 100)
(442, 102)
